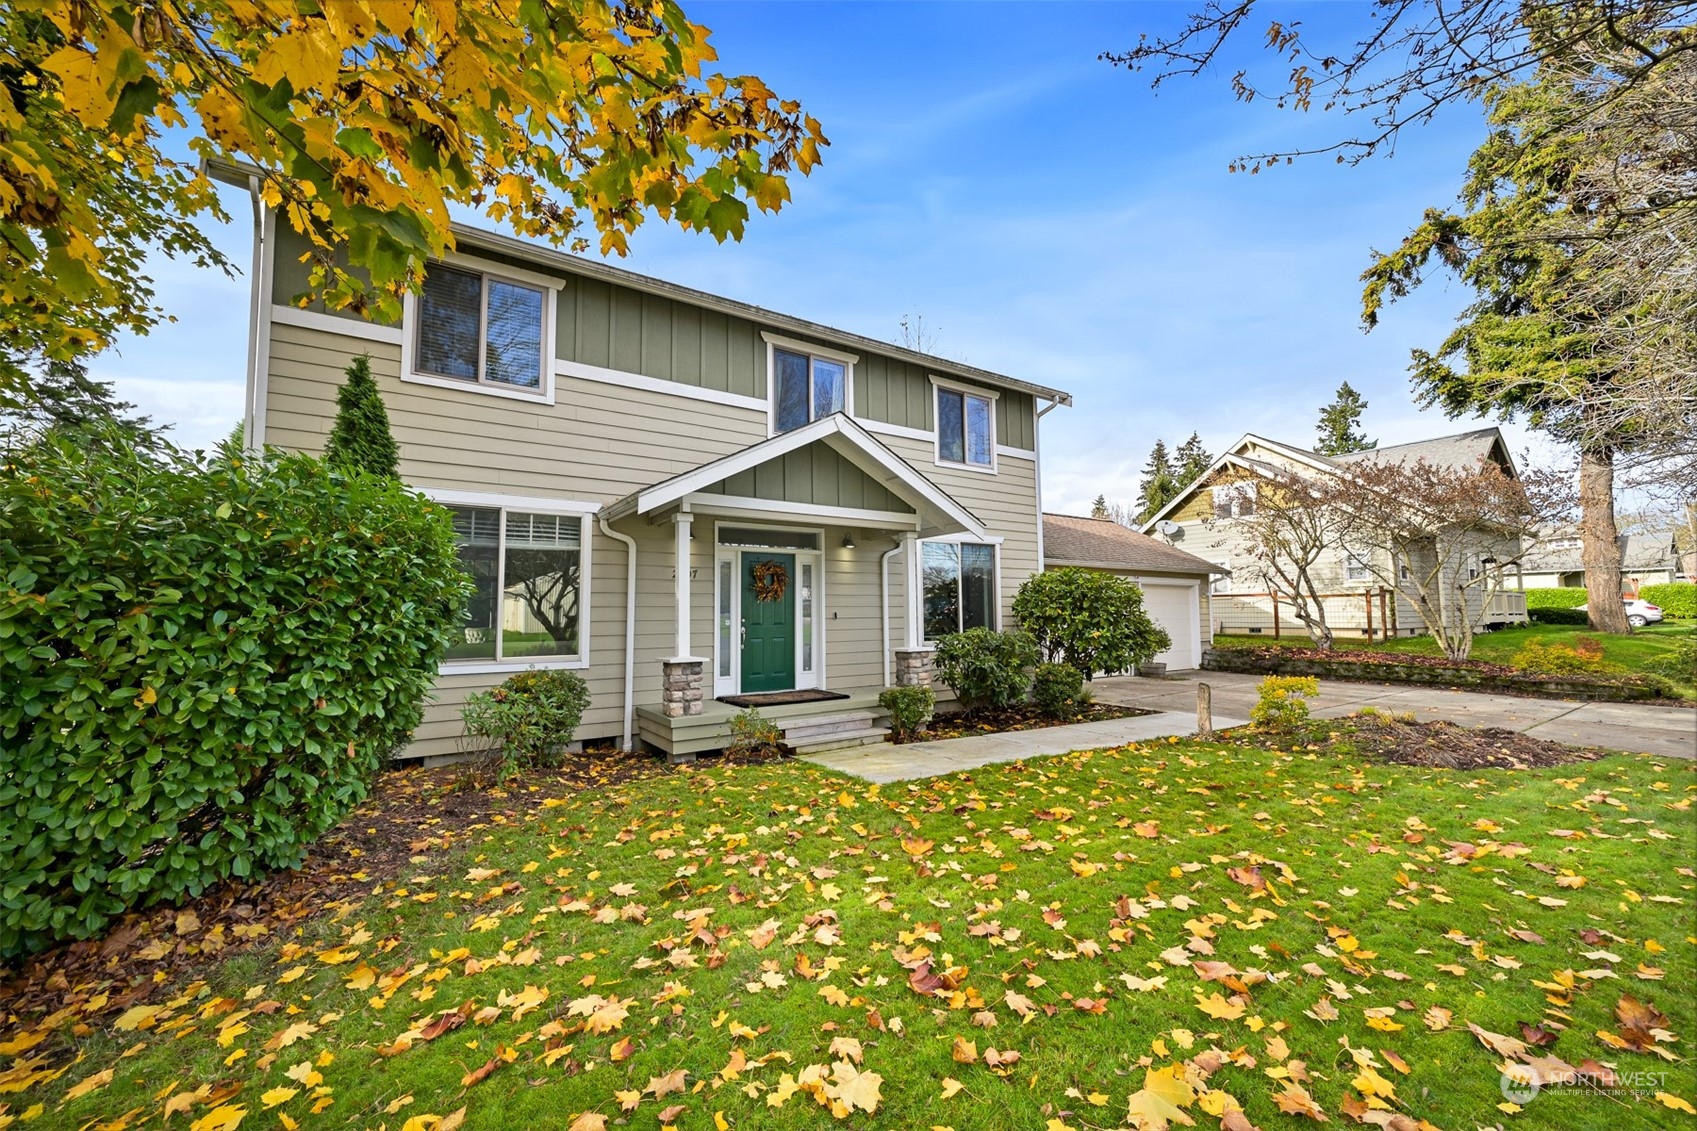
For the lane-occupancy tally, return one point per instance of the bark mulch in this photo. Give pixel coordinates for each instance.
(1444, 745)
(1024, 717)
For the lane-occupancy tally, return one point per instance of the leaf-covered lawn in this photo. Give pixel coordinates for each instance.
(1167, 932)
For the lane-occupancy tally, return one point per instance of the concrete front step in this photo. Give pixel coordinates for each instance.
(841, 740)
(818, 726)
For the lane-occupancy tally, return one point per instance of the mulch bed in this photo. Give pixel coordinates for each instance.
(1354, 656)
(1441, 744)
(411, 813)
(1025, 717)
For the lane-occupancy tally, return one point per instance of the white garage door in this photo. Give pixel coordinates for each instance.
(1173, 607)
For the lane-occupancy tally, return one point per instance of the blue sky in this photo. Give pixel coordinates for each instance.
(1049, 216)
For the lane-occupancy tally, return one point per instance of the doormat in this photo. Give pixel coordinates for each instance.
(780, 698)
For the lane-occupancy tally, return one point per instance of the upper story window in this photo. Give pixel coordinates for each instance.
(1234, 500)
(1221, 582)
(966, 426)
(806, 387)
(481, 328)
(1355, 565)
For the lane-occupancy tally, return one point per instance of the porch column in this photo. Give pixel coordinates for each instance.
(681, 691)
(914, 657)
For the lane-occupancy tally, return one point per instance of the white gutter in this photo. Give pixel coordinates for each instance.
(625, 742)
(252, 441)
(1037, 472)
(884, 602)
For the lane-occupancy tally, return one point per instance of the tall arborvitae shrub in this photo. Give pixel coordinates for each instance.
(360, 438)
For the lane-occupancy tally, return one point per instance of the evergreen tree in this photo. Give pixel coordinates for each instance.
(1193, 460)
(360, 438)
(1338, 428)
(1158, 484)
(66, 399)
(1099, 508)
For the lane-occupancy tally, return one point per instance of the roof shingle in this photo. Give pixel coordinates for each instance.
(1076, 540)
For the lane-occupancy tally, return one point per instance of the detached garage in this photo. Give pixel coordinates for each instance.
(1175, 584)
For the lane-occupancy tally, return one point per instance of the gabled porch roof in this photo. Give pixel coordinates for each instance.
(932, 511)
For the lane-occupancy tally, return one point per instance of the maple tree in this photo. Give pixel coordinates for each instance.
(364, 123)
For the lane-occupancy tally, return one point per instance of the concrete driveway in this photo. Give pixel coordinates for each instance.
(1665, 731)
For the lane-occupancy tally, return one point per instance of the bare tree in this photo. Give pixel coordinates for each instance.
(915, 335)
(1441, 536)
(1412, 58)
(1288, 534)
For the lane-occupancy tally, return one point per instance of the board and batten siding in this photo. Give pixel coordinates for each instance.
(597, 443)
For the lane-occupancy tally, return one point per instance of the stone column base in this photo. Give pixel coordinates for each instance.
(914, 666)
(680, 687)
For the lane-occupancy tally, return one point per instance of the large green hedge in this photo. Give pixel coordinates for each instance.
(1676, 600)
(1568, 598)
(203, 661)
(1089, 619)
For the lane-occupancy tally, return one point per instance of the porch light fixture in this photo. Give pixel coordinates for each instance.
(848, 541)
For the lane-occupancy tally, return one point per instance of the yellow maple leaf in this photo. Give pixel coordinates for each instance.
(951, 1086)
(1162, 1100)
(225, 1117)
(1218, 1007)
(278, 1096)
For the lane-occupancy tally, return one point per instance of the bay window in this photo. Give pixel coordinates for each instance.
(959, 582)
(526, 568)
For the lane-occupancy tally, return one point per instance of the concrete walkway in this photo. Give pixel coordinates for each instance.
(884, 762)
(1664, 731)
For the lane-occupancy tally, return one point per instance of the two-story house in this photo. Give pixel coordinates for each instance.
(1206, 520)
(687, 498)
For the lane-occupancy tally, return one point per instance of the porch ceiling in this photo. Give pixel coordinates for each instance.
(926, 508)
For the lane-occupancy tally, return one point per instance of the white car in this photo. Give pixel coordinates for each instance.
(1638, 613)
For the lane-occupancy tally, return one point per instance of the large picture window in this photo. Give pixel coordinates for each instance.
(966, 428)
(805, 388)
(480, 328)
(527, 572)
(960, 587)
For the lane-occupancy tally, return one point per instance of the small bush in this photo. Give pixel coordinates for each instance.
(1283, 703)
(529, 718)
(753, 734)
(987, 670)
(1676, 600)
(1089, 619)
(1557, 616)
(1564, 598)
(204, 660)
(910, 709)
(1585, 657)
(1679, 665)
(1058, 690)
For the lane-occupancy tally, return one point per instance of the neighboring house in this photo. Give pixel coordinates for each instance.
(1175, 584)
(682, 496)
(1202, 518)
(1645, 559)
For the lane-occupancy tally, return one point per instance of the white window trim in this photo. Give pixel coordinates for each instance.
(995, 545)
(1221, 585)
(583, 511)
(1239, 491)
(732, 684)
(550, 288)
(775, 342)
(994, 399)
(1354, 563)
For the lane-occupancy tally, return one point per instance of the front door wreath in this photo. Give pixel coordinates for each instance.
(770, 581)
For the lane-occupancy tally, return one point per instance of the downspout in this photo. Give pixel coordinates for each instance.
(1037, 447)
(884, 602)
(625, 742)
(250, 417)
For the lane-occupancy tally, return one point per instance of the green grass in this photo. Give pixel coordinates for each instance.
(1630, 652)
(1019, 889)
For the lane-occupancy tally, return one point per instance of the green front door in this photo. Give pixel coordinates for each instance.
(768, 626)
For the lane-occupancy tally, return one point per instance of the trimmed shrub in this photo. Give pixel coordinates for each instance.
(1676, 600)
(529, 718)
(754, 734)
(1283, 702)
(203, 662)
(1566, 598)
(910, 709)
(1584, 657)
(1557, 616)
(360, 439)
(1089, 619)
(987, 670)
(1679, 665)
(1058, 690)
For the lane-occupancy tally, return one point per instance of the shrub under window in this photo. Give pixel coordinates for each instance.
(960, 587)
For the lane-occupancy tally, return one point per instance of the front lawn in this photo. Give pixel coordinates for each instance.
(1174, 929)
